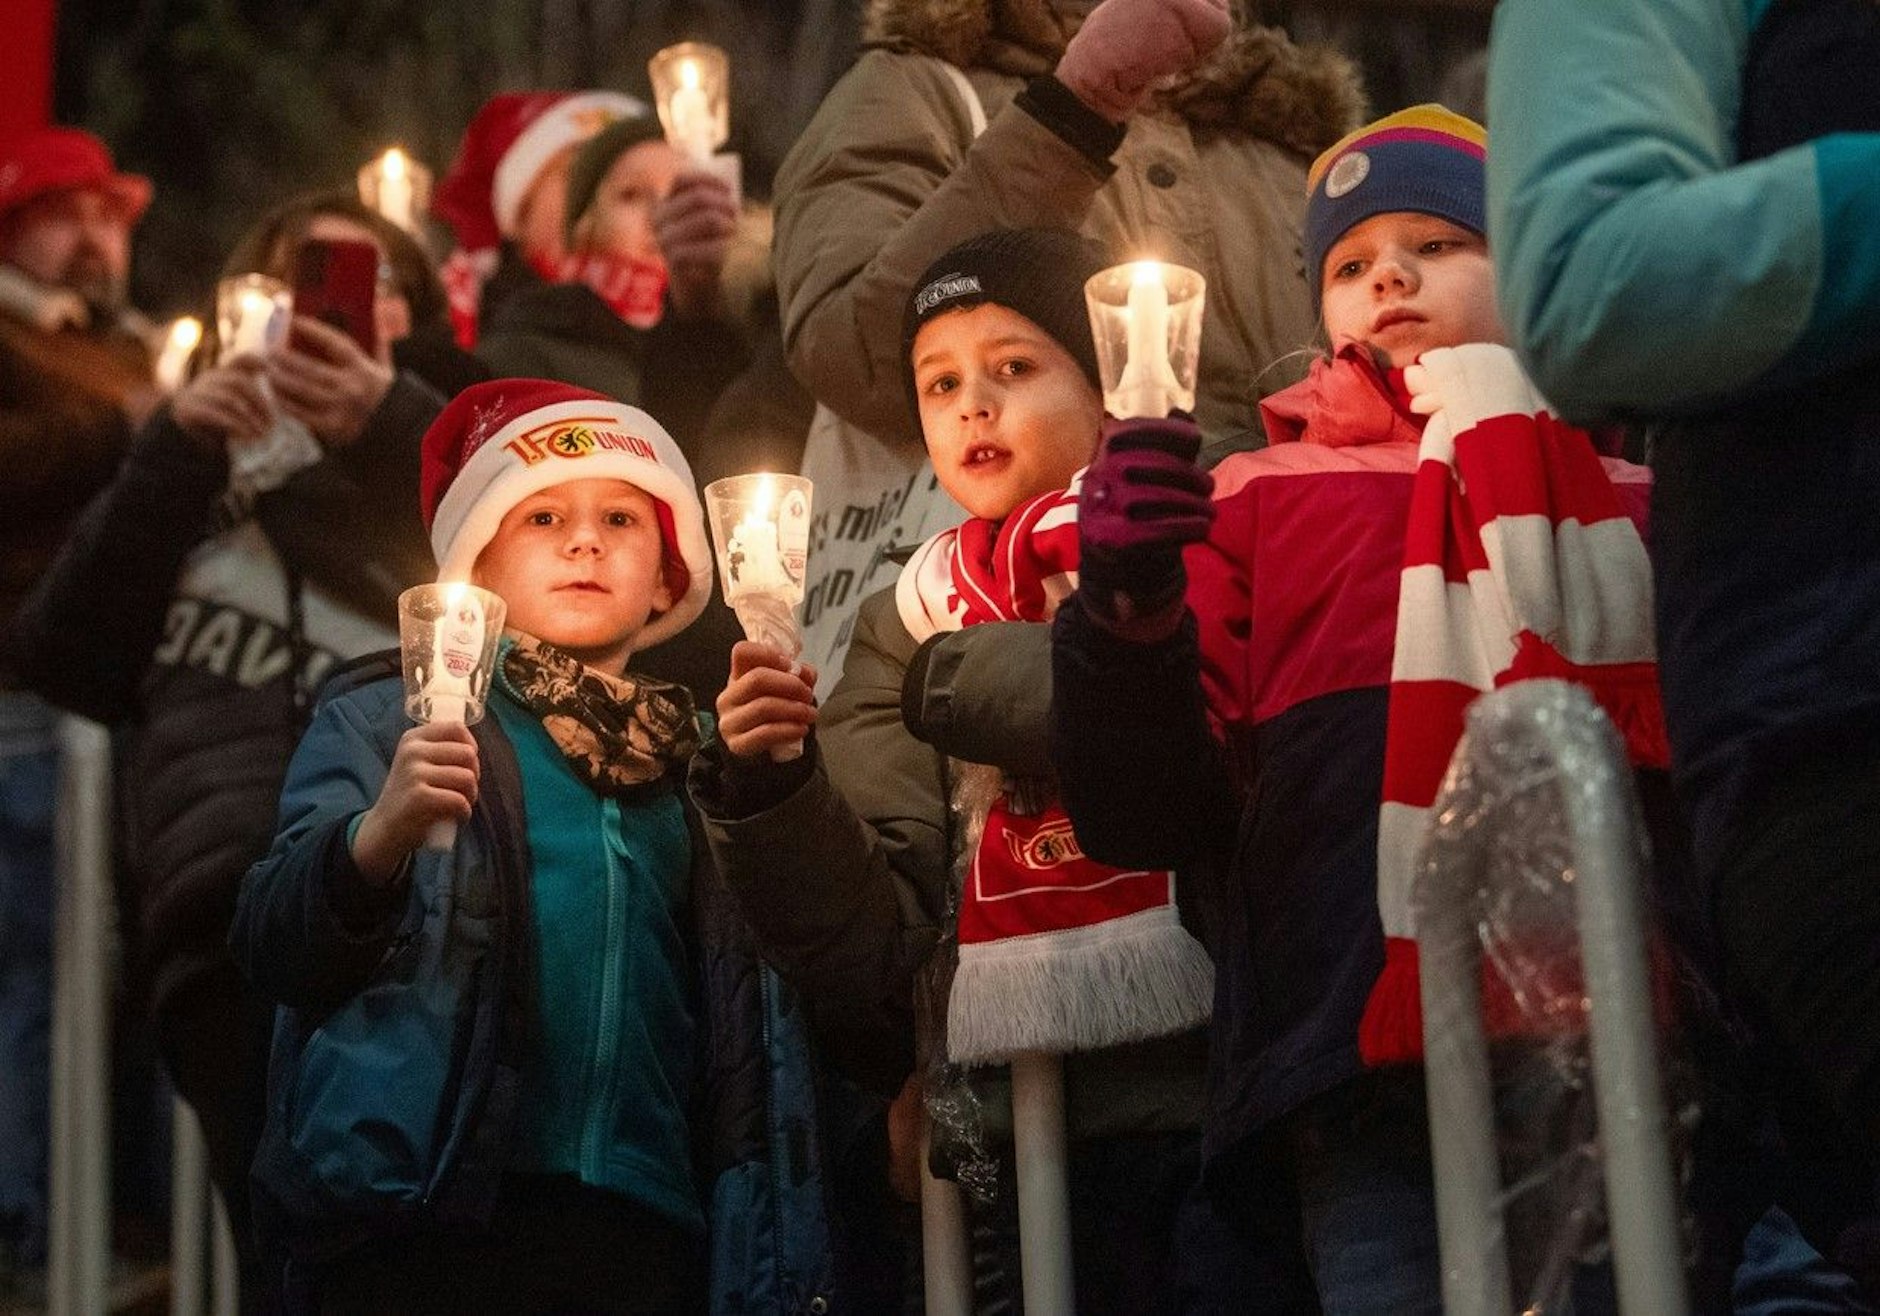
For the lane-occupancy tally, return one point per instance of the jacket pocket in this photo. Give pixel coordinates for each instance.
(378, 1090)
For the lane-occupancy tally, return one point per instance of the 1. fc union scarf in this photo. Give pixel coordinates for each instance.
(1057, 953)
(1520, 561)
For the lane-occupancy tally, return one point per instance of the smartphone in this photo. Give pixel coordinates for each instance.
(337, 282)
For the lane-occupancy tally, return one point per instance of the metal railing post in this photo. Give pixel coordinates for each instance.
(79, 1264)
(1555, 727)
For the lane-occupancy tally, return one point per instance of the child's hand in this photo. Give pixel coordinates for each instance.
(433, 778)
(767, 704)
(694, 227)
(1469, 383)
(1125, 46)
(1143, 500)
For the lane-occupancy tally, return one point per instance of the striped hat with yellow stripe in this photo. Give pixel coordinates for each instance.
(1426, 158)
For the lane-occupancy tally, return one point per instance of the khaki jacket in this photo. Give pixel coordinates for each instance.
(889, 175)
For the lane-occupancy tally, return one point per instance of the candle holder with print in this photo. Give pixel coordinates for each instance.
(447, 636)
(1146, 319)
(397, 187)
(760, 524)
(692, 86)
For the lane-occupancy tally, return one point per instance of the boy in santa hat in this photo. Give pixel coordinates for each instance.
(482, 1094)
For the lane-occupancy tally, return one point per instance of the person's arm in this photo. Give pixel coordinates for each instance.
(84, 636)
(310, 926)
(983, 694)
(881, 182)
(1139, 771)
(838, 859)
(1643, 269)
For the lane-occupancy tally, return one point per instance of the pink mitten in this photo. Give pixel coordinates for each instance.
(1125, 45)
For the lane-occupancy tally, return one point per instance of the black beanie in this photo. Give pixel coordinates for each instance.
(596, 156)
(1037, 272)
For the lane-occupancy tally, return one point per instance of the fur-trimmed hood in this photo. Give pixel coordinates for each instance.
(1258, 82)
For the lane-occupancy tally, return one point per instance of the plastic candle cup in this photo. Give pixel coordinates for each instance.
(448, 633)
(692, 84)
(1146, 319)
(760, 525)
(398, 187)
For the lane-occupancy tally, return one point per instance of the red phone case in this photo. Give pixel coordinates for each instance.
(337, 282)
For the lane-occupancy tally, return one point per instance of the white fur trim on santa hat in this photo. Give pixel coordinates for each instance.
(563, 124)
(587, 439)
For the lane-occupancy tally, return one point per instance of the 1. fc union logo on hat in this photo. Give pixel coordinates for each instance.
(1352, 168)
(577, 438)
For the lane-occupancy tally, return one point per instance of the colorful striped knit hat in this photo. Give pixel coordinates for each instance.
(1425, 158)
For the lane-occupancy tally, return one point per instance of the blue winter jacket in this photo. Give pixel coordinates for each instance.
(394, 1079)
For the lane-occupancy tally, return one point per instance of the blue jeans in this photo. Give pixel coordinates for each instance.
(28, 787)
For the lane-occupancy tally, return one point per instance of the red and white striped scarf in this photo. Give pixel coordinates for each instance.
(1057, 952)
(1520, 561)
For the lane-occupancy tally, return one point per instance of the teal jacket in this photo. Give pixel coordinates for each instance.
(1647, 265)
(1684, 206)
(397, 1092)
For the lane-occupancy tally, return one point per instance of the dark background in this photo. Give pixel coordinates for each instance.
(233, 105)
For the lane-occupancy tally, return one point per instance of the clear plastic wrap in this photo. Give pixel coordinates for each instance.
(1530, 927)
(960, 1136)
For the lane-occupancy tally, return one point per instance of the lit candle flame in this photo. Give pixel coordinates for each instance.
(394, 164)
(688, 73)
(1146, 272)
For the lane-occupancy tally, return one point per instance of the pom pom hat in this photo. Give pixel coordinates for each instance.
(1426, 158)
(498, 442)
(508, 143)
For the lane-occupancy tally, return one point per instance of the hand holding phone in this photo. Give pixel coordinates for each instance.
(336, 282)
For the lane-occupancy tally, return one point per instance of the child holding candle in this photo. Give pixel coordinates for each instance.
(842, 858)
(496, 1063)
(1234, 703)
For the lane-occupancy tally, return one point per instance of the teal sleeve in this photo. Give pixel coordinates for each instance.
(1642, 268)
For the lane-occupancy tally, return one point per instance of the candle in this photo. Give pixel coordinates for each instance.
(693, 125)
(179, 344)
(254, 318)
(1147, 383)
(456, 648)
(755, 560)
(395, 194)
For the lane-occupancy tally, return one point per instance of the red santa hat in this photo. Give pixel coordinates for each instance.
(506, 147)
(498, 442)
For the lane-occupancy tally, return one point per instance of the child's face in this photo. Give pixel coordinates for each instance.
(1405, 282)
(1006, 412)
(619, 221)
(582, 566)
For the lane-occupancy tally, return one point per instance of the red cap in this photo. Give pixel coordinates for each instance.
(45, 160)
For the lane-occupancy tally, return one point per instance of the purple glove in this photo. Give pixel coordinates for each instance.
(1143, 500)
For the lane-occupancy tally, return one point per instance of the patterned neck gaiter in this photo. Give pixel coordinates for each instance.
(617, 732)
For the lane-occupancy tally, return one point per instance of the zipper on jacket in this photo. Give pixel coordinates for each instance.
(598, 1101)
(773, 1135)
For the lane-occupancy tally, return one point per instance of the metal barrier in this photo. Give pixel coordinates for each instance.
(78, 1279)
(1544, 739)
(78, 1270)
